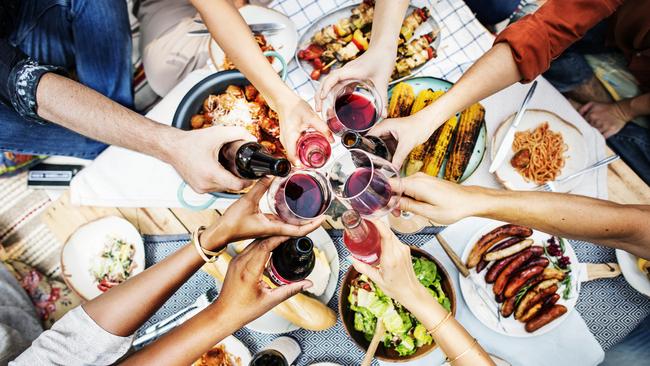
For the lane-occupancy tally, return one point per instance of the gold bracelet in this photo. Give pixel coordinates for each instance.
(202, 251)
(463, 353)
(435, 329)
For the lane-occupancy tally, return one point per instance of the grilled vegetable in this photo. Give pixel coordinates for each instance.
(401, 101)
(416, 158)
(438, 148)
(469, 128)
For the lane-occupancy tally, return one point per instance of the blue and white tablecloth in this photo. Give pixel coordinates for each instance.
(610, 308)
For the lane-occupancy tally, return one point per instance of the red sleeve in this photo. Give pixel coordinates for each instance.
(540, 37)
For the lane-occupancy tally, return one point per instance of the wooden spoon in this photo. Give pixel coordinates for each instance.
(376, 338)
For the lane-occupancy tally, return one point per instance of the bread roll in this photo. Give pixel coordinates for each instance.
(301, 310)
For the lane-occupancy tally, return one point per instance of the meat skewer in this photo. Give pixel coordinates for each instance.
(361, 16)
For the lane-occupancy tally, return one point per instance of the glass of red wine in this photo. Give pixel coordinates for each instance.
(366, 183)
(302, 196)
(353, 105)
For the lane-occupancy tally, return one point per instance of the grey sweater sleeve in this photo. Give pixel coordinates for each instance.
(75, 340)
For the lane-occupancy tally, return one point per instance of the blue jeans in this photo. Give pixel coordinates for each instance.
(491, 12)
(92, 39)
(632, 143)
(633, 350)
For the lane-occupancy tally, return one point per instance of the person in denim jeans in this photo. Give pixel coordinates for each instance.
(88, 38)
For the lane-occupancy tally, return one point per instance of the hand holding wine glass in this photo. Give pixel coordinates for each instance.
(300, 197)
(244, 220)
(353, 105)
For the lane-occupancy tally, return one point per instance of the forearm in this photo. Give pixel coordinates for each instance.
(449, 334)
(571, 216)
(494, 71)
(85, 111)
(123, 309)
(637, 106)
(185, 344)
(235, 38)
(387, 22)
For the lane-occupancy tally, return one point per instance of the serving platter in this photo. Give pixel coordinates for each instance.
(344, 12)
(271, 323)
(87, 243)
(575, 155)
(236, 349)
(421, 83)
(512, 327)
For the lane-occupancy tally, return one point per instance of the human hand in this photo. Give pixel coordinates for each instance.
(296, 116)
(195, 157)
(409, 132)
(244, 293)
(608, 118)
(375, 65)
(395, 275)
(244, 220)
(439, 200)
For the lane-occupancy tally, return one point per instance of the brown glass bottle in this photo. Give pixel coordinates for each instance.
(292, 261)
(250, 160)
(382, 147)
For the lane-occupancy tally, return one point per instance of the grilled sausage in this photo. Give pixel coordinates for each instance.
(519, 279)
(504, 244)
(535, 295)
(519, 260)
(546, 299)
(531, 312)
(551, 300)
(506, 252)
(495, 236)
(538, 261)
(545, 316)
(553, 273)
(508, 307)
(496, 268)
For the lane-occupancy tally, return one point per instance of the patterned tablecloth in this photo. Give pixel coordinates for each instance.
(610, 307)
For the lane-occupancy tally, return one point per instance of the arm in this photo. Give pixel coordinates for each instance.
(244, 297)
(403, 286)
(153, 287)
(571, 216)
(521, 52)
(232, 34)
(83, 110)
(378, 61)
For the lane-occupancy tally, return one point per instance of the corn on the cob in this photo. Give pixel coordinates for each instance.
(401, 100)
(425, 98)
(436, 155)
(415, 160)
(469, 127)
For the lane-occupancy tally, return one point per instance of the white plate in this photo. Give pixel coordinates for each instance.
(513, 327)
(344, 12)
(87, 243)
(237, 349)
(271, 323)
(285, 41)
(325, 364)
(575, 156)
(631, 272)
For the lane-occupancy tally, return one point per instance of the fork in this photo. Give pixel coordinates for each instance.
(178, 318)
(551, 186)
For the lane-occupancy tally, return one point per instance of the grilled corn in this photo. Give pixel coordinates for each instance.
(401, 101)
(461, 151)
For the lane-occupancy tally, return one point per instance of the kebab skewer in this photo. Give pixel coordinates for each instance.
(361, 16)
(404, 65)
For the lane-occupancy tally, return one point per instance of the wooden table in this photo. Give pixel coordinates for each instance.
(63, 218)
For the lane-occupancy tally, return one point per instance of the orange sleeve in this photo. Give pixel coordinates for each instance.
(538, 38)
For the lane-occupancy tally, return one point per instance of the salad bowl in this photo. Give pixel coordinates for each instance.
(389, 354)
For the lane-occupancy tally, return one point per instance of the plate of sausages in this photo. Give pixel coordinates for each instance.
(528, 272)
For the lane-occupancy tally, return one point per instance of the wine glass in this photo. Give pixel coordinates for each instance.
(300, 197)
(366, 183)
(313, 149)
(352, 105)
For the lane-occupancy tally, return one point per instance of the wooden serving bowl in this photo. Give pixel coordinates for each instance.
(384, 354)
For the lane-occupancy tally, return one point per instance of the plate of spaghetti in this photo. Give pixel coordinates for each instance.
(545, 148)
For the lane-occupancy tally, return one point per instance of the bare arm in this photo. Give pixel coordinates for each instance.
(83, 110)
(570, 216)
(234, 36)
(378, 61)
(401, 284)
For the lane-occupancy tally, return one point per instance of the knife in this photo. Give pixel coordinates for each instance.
(506, 143)
(255, 28)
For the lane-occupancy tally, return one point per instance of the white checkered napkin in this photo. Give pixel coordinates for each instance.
(464, 39)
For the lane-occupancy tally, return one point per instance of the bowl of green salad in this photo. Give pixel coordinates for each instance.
(406, 339)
